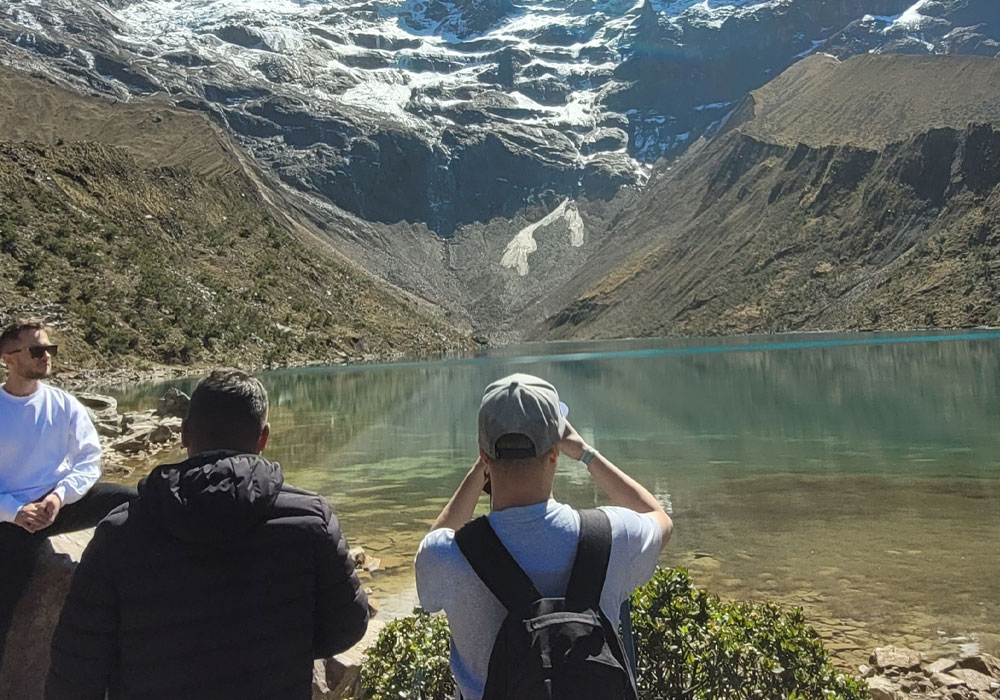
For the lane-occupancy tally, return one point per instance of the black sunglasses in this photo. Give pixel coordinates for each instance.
(38, 351)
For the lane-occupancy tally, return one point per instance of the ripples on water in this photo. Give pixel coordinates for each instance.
(856, 476)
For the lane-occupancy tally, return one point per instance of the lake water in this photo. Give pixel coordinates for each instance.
(855, 476)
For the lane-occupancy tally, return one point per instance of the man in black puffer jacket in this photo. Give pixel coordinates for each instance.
(218, 582)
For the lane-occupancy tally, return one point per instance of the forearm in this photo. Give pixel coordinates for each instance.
(462, 505)
(85, 472)
(621, 489)
(85, 457)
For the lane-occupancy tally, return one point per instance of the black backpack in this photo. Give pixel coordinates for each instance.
(551, 648)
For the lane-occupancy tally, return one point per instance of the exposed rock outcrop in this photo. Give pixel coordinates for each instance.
(897, 673)
(136, 435)
(26, 655)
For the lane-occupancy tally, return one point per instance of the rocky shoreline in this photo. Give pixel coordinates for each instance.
(134, 439)
(895, 673)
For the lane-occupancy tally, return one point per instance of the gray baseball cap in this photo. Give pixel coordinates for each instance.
(522, 404)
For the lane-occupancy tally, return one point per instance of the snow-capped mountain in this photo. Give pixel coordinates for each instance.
(447, 112)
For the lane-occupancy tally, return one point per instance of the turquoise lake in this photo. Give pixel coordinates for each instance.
(856, 476)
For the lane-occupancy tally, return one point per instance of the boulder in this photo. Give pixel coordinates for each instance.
(893, 657)
(136, 441)
(173, 403)
(161, 434)
(882, 689)
(103, 411)
(940, 666)
(98, 403)
(984, 663)
(26, 657)
(973, 679)
(944, 680)
(340, 677)
(108, 429)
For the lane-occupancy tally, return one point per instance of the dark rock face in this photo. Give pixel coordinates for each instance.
(970, 27)
(682, 76)
(450, 113)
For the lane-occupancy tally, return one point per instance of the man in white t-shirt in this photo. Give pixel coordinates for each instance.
(50, 461)
(522, 431)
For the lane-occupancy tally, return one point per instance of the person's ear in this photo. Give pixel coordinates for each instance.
(265, 433)
(553, 456)
(487, 464)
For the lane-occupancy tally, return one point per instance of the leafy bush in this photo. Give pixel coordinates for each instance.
(409, 660)
(691, 646)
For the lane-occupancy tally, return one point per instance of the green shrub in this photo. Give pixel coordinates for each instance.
(409, 660)
(691, 646)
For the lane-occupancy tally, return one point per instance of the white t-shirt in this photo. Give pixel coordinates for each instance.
(47, 444)
(542, 538)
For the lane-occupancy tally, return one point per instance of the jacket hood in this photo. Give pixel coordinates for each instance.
(212, 497)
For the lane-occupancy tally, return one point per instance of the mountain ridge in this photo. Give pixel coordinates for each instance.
(529, 110)
(765, 236)
(185, 262)
(357, 103)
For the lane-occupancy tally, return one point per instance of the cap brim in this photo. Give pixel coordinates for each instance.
(563, 409)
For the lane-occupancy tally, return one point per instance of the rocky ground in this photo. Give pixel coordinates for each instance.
(895, 673)
(135, 437)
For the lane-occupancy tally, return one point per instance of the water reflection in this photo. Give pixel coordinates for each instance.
(860, 480)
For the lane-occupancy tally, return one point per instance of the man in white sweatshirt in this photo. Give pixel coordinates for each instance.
(50, 461)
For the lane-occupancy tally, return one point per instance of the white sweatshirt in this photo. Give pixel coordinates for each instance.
(47, 444)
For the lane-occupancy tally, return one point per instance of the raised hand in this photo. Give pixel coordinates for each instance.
(571, 445)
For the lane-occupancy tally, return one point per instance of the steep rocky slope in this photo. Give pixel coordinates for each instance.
(453, 113)
(488, 157)
(143, 235)
(786, 223)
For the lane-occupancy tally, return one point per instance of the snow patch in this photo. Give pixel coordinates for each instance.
(815, 45)
(912, 18)
(516, 254)
(384, 97)
(909, 19)
(714, 105)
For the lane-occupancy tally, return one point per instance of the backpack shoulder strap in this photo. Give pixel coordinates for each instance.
(591, 564)
(494, 565)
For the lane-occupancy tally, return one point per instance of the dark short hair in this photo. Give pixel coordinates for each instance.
(228, 411)
(12, 332)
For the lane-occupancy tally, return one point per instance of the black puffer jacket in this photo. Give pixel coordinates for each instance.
(218, 582)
